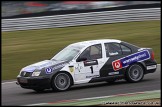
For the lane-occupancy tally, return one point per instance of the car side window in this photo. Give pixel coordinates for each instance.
(92, 52)
(126, 50)
(113, 49)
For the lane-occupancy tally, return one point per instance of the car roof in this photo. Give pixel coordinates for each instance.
(93, 42)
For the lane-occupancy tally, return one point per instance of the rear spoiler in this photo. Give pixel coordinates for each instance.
(144, 49)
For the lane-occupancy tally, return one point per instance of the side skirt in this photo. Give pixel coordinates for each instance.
(99, 79)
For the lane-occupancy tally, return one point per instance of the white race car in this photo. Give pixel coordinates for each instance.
(89, 61)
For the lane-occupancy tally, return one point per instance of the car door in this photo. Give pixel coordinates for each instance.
(114, 51)
(88, 64)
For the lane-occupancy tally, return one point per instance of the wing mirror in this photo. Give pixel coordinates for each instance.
(81, 59)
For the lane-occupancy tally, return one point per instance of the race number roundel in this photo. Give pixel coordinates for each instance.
(117, 65)
(48, 70)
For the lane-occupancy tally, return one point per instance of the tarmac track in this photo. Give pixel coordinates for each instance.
(13, 94)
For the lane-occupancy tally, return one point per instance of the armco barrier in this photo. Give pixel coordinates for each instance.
(81, 19)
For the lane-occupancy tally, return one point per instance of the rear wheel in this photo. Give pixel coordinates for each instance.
(61, 82)
(135, 73)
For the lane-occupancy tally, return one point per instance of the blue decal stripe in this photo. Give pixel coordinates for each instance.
(136, 57)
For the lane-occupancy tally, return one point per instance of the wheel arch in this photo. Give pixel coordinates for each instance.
(71, 78)
(139, 63)
(128, 78)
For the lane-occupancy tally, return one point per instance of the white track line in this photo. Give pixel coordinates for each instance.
(8, 82)
(91, 98)
(36, 104)
(15, 81)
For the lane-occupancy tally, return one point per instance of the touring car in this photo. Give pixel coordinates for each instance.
(89, 61)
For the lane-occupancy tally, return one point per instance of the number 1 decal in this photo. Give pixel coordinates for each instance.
(91, 69)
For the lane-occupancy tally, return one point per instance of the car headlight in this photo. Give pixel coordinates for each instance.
(36, 73)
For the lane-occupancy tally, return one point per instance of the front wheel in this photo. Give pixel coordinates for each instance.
(135, 73)
(61, 82)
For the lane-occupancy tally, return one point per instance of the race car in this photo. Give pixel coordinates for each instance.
(89, 61)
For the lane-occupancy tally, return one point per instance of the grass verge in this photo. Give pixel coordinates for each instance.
(138, 98)
(21, 48)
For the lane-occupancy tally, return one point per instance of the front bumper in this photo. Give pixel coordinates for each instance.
(34, 82)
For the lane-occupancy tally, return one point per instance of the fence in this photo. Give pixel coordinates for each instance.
(81, 19)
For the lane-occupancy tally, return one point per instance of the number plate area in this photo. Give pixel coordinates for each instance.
(23, 80)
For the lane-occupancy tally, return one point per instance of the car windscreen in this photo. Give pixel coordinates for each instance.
(68, 53)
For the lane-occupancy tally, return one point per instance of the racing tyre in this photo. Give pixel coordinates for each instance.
(61, 82)
(135, 73)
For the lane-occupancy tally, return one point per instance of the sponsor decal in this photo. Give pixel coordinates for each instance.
(71, 68)
(48, 70)
(89, 63)
(46, 63)
(115, 53)
(92, 76)
(113, 73)
(117, 65)
(59, 66)
(126, 61)
(77, 68)
(151, 67)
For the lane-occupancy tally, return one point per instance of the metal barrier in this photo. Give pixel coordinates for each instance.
(81, 19)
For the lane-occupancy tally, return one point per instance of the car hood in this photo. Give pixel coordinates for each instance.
(44, 64)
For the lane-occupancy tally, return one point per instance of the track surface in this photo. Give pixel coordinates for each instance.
(13, 94)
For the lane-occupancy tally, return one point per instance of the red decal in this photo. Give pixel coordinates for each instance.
(117, 65)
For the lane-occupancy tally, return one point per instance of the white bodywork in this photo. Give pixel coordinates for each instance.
(81, 73)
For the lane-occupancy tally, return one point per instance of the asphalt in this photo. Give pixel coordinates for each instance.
(12, 94)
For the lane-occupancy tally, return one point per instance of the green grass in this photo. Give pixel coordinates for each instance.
(106, 100)
(21, 48)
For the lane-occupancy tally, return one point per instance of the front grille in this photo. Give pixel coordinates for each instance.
(25, 74)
